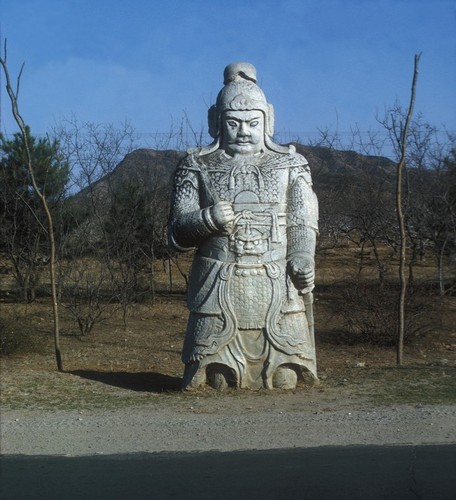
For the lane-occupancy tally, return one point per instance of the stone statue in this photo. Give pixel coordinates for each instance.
(247, 206)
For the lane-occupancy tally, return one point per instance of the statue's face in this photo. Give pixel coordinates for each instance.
(243, 132)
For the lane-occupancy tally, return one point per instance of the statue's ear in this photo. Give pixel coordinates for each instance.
(269, 125)
(213, 122)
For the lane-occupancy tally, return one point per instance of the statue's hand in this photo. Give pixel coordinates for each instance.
(222, 213)
(302, 272)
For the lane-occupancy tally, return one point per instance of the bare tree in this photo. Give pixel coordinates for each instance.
(13, 95)
(441, 215)
(90, 280)
(118, 220)
(94, 150)
(181, 136)
(403, 138)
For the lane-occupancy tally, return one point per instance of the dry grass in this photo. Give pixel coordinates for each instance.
(139, 364)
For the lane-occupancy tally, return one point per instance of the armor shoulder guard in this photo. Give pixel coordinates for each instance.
(301, 171)
(190, 162)
(297, 158)
(288, 160)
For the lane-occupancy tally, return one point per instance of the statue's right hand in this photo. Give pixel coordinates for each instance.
(222, 213)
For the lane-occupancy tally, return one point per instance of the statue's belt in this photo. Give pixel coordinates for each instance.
(221, 254)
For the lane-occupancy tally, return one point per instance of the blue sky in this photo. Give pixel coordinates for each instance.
(322, 63)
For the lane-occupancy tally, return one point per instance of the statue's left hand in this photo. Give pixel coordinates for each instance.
(302, 272)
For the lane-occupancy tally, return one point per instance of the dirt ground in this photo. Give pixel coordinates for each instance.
(120, 365)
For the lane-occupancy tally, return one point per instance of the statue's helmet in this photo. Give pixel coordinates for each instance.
(240, 93)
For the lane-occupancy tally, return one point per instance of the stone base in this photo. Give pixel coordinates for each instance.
(284, 378)
(220, 377)
(250, 361)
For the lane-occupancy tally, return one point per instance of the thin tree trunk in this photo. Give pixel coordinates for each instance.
(20, 122)
(170, 274)
(184, 275)
(441, 273)
(401, 222)
(411, 265)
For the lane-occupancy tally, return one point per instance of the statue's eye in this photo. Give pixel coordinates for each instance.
(254, 123)
(232, 124)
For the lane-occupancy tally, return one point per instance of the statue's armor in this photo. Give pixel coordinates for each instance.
(245, 313)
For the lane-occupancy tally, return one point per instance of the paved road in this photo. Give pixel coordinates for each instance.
(354, 472)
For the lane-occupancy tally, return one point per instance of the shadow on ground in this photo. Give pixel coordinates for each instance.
(140, 382)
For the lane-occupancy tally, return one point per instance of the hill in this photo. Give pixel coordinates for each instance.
(147, 167)
(154, 168)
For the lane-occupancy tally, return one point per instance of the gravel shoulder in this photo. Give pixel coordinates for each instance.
(195, 425)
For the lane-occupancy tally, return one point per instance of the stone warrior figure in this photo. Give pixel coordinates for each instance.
(247, 205)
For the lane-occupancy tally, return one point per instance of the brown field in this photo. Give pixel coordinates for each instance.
(139, 363)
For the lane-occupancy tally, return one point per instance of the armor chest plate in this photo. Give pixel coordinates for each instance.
(258, 191)
(248, 180)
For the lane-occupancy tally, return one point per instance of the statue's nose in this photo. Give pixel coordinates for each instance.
(243, 129)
